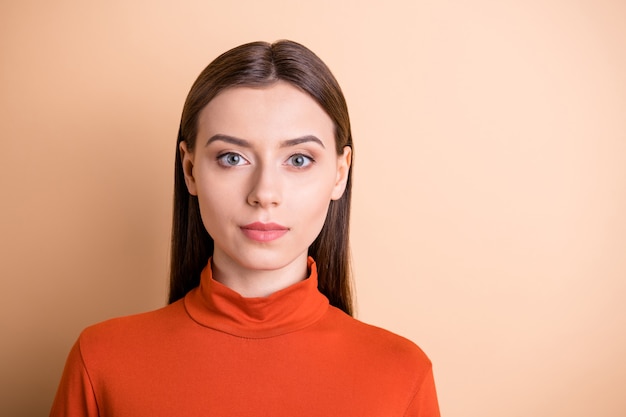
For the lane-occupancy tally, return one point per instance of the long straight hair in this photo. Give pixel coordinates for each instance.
(261, 64)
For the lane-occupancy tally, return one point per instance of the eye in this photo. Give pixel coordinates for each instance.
(299, 160)
(231, 159)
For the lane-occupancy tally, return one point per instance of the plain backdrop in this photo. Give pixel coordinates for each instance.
(489, 221)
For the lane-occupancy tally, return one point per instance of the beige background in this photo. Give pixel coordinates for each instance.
(490, 194)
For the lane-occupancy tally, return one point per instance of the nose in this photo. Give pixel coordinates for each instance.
(265, 187)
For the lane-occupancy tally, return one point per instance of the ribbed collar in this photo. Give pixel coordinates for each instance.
(214, 305)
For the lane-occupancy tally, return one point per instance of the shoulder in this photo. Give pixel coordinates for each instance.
(122, 333)
(395, 366)
(379, 344)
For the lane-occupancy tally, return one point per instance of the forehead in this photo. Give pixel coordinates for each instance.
(279, 111)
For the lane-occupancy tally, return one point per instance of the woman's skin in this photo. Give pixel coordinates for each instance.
(265, 169)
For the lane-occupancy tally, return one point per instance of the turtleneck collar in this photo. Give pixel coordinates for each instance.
(214, 305)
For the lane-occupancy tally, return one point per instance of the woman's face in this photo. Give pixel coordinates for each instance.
(265, 169)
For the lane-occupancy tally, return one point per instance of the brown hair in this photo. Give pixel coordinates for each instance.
(261, 64)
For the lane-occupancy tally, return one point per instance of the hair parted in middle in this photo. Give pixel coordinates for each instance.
(260, 64)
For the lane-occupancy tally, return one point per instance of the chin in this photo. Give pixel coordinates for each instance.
(267, 261)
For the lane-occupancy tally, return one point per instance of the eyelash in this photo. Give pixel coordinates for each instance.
(222, 160)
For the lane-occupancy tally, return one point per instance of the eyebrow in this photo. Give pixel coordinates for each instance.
(245, 144)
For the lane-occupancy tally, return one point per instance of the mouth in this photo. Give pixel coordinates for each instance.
(264, 232)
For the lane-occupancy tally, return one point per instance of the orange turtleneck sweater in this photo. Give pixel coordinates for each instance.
(215, 353)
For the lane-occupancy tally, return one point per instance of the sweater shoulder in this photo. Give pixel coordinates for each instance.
(126, 329)
(381, 343)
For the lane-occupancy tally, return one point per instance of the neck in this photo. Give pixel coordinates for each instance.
(252, 283)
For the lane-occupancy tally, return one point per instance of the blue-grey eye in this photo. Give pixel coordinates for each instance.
(299, 160)
(231, 159)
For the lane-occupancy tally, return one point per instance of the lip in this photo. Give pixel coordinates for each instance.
(264, 232)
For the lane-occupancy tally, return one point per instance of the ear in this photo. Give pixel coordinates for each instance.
(186, 159)
(343, 169)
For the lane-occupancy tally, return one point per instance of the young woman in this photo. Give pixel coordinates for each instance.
(259, 321)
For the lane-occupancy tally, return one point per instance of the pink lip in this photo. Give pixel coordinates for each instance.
(264, 232)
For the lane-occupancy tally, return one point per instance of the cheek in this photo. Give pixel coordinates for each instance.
(314, 203)
(216, 206)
